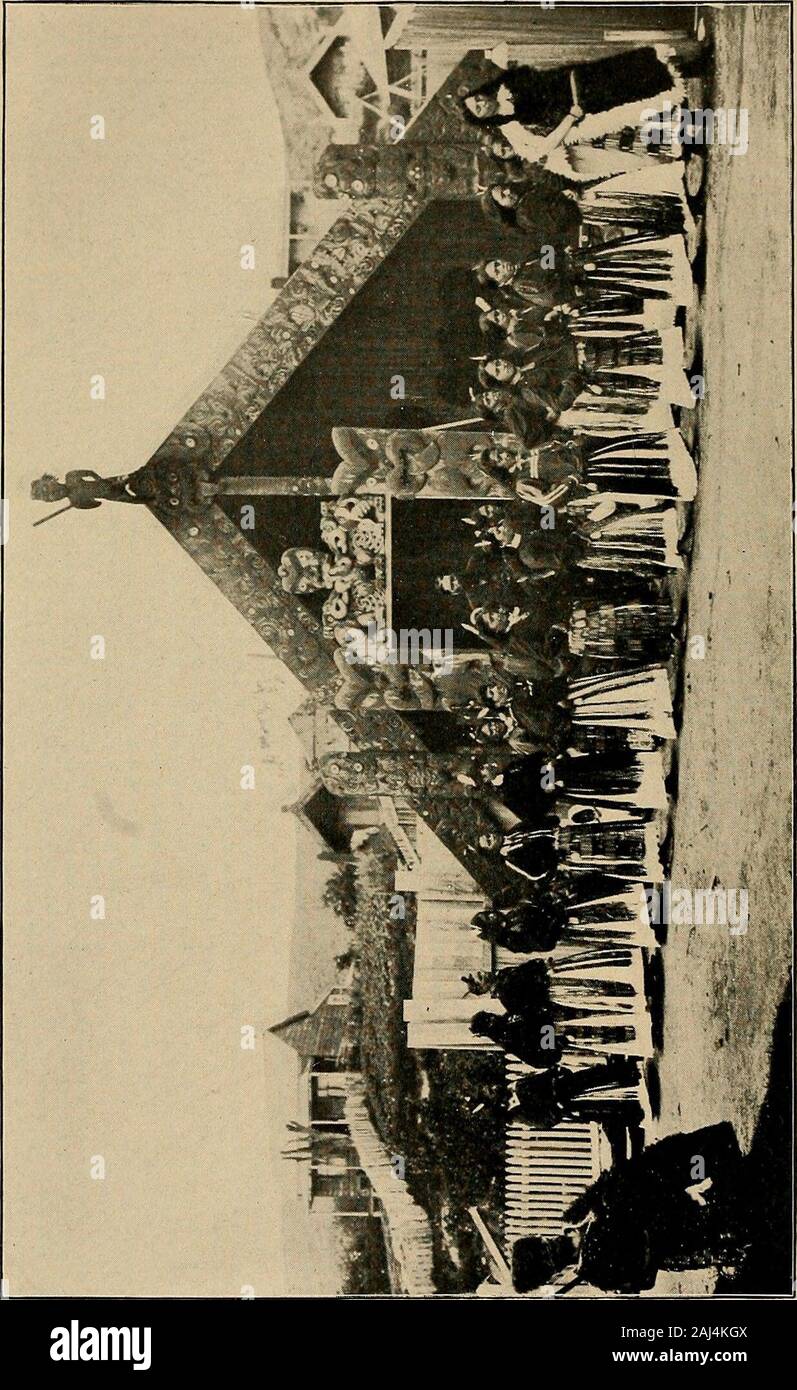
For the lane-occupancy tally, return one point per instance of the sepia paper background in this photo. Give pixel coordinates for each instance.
(123, 1037)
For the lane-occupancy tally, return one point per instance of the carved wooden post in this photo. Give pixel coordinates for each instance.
(270, 487)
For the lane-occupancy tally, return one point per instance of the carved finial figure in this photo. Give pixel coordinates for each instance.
(83, 488)
(176, 477)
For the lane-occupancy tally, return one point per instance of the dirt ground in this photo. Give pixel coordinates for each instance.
(732, 823)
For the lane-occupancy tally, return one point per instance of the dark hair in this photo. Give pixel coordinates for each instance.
(490, 457)
(483, 457)
(494, 412)
(488, 922)
(487, 89)
(486, 378)
(514, 168)
(486, 411)
(486, 1024)
(545, 917)
(493, 210)
(480, 983)
(480, 271)
(495, 337)
(472, 119)
(486, 324)
(510, 165)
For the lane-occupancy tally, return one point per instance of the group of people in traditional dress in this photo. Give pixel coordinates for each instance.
(566, 586)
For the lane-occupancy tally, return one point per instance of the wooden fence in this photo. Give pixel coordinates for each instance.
(408, 1234)
(545, 1171)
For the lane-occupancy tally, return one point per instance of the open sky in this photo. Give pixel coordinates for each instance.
(123, 1035)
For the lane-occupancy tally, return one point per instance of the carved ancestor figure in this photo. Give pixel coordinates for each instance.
(353, 595)
(404, 463)
(83, 488)
(176, 477)
(399, 170)
(353, 529)
(373, 772)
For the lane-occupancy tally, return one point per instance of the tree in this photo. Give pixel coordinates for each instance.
(341, 893)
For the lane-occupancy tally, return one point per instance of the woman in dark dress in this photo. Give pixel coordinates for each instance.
(529, 282)
(553, 368)
(656, 214)
(536, 923)
(638, 348)
(525, 412)
(542, 475)
(640, 630)
(609, 312)
(634, 540)
(503, 161)
(619, 775)
(526, 565)
(615, 774)
(544, 1099)
(504, 326)
(652, 465)
(625, 848)
(528, 849)
(542, 98)
(526, 785)
(550, 218)
(655, 267)
(538, 1033)
(520, 988)
(534, 728)
(567, 983)
(529, 1036)
(582, 911)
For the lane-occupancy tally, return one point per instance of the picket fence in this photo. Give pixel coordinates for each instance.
(545, 1170)
(408, 1234)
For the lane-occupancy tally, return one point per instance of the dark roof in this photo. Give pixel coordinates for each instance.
(320, 813)
(322, 1033)
(320, 288)
(313, 298)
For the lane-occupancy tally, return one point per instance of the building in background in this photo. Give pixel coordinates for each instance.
(543, 35)
(326, 1041)
(384, 1237)
(329, 820)
(361, 74)
(338, 78)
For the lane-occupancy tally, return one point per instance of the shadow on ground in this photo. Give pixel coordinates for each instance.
(767, 1267)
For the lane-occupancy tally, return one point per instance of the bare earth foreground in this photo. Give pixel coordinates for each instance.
(733, 819)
